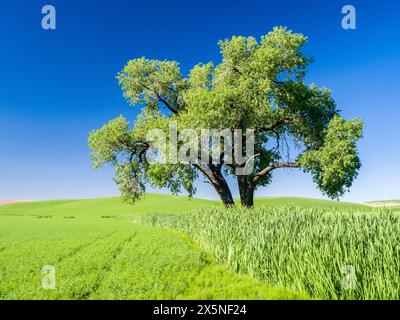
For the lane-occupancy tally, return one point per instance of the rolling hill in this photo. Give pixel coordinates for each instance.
(385, 203)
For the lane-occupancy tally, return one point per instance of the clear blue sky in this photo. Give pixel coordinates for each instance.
(56, 86)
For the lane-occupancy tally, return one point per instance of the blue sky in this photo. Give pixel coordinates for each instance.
(57, 85)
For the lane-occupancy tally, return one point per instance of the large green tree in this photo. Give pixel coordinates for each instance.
(258, 85)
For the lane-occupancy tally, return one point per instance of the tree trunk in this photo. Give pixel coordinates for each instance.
(217, 180)
(221, 186)
(224, 193)
(246, 190)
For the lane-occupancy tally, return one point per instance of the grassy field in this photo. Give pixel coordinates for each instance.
(305, 249)
(292, 248)
(98, 253)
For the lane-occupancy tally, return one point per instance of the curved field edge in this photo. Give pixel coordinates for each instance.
(99, 254)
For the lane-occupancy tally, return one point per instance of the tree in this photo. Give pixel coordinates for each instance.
(258, 85)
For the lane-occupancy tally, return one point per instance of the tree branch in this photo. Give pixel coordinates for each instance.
(145, 146)
(166, 103)
(206, 172)
(272, 167)
(275, 125)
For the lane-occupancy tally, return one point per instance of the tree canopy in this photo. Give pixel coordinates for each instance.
(258, 85)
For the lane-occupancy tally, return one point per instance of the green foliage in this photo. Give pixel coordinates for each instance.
(301, 248)
(258, 85)
(146, 81)
(335, 165)
(107, 142)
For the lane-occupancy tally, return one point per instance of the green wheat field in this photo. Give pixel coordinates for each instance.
(170, 247)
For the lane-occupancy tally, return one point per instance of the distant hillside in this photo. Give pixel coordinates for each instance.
(386, 203)
(307, 202)
(5, 201)
(151, 203)
(99, 207)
